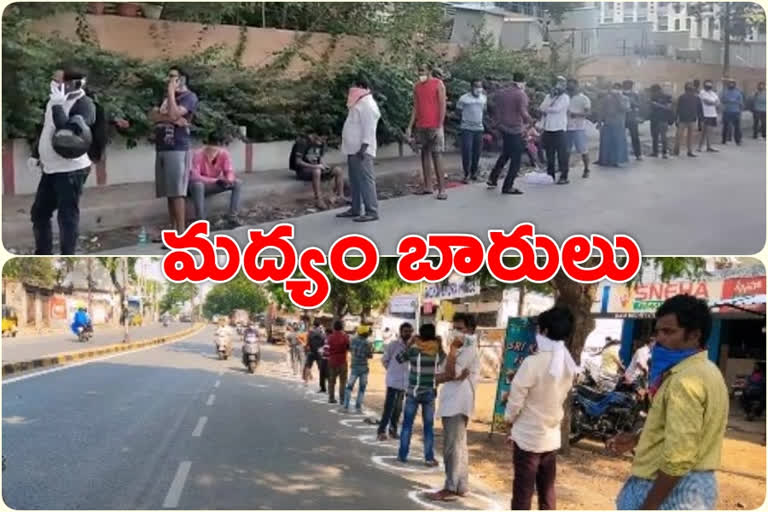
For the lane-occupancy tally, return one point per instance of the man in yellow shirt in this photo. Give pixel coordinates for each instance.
(678, 451)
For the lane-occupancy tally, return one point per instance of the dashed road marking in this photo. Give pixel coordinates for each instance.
(177, 486)
(211, 398)
(200, 425)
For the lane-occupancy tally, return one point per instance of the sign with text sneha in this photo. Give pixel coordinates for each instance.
(519, 343)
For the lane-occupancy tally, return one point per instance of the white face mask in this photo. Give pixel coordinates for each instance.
(477, 91)
(423, 78)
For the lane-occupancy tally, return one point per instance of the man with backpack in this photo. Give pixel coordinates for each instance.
(73, 136)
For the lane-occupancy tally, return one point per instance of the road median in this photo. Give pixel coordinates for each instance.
(81, 355)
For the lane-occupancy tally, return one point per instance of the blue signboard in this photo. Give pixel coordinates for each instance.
(519, 343)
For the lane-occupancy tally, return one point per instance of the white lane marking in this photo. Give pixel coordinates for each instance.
(373, 440)
(304, 430)
(415, 495)
(199, 428)
(347, 412)
(381, 461)
(347, 422)
(210, 400)
(177, 486)
(218, 383)
(68, 366)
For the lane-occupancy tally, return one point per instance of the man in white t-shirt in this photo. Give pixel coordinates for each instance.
(578, 110)
(535, 410)
(709, 102)
(555, 122)
(459, 375)
(639, 364)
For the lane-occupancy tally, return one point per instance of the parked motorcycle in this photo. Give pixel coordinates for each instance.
(599, 415)
(251, 352)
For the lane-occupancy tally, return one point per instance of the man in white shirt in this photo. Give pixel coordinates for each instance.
(457, 403)
(555, 111)
(709, 103)
(535, 410)
(639, 364)
(579, 108)
(358, 142)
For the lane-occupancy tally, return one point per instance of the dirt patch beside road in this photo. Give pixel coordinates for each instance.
(590, 479)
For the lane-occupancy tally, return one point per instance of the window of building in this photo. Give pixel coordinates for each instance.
(677, 25)
(584, 44)
(688, 24)
(608, 12)
(711, 27)
(663, 23)
(628, 17)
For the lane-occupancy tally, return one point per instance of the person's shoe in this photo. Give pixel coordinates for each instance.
(712, 150)
(563, 181)
(442, 495)
(665, 157)
(654, 155)
(321, 204)
(234, 221)
(382, 437)
(367, 218)
(347, 215)
(332, 401)
(474, 177)
(639, 158)
(692, 155)
(393, 435)
(586, 174)
(465, 180)
(321, 391)
(491, 184)
(513, 192)
(431, 463)
(358, 411)
(401, 460)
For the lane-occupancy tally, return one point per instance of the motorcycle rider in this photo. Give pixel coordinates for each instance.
(165, 318)
(223, 337)
(81, 320)
(611, 366)
(251, 342)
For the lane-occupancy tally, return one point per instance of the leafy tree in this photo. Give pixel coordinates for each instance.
(178, 293)
(116, 266)
(239, 293)
(33, 271)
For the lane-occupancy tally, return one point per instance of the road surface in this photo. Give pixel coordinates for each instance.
(25, 348)
(713, 204)
(174, 427)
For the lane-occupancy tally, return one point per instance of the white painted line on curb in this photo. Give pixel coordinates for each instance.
(424, 502)
(210, 400)
(218, 383)
(398, 466)
(199, 428)
(177, 486)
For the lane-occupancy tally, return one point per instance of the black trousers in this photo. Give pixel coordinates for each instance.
(512, 151)
(555, 143)
(393, 406)
(58, 192)
(634, 135)
(758, 124)
(322, 366)
(659, 135)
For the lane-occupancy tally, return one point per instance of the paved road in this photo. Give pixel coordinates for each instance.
(24, 348)
(173, 427)
(714, 204)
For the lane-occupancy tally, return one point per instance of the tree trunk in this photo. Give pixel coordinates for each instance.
(90, 285)
(578, 298)
(726, 24)
(521, 300)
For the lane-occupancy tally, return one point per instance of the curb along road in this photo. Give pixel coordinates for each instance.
(79, 355)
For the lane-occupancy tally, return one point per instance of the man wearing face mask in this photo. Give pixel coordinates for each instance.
(679, 448)
(62, 181)
(535, 410)
(709, 103)
(173, 120)
(358, 142)
(578, 110)
(555, 109)
(457, 403)
(427, 118)
(733, 103)
(472, 106)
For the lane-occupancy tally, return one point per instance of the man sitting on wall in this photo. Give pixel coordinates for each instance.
(306, 161)
(212, 173)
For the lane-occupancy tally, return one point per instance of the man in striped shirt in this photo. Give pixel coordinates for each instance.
(424, 353)
(362, 350)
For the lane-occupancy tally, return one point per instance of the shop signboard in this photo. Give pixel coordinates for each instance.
(519, 343)
(642, 300)
(451, 290)
(403, 304)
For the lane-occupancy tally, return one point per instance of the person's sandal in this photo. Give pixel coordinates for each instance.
(442, 196)
(347, 215)
(431, 463)
(442, 495)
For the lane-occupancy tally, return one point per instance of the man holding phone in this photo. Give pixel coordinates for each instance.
(173, 120)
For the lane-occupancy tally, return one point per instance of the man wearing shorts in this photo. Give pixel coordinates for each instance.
(307, 162)
(576, 135)
(427, 118)
(172, 137)
(709, 103)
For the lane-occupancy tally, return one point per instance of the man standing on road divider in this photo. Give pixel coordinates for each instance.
(457, 403)
(424, 353)
(678, 450)
(361, 349)
(535, 410)
(338, 346)
(397, 382)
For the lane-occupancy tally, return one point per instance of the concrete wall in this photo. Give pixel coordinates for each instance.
(519, 35)
(123, 166)
(465, 24)
(153, 39)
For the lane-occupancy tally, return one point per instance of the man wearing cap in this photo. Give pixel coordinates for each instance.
(362, 350)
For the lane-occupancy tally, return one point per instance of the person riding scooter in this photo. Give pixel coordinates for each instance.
(82, 321)
(223, 339)
(251, 346)
(166, 319)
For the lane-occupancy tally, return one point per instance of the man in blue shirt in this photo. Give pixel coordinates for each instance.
(733, 103)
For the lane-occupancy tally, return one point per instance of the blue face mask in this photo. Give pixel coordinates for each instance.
(662, 359)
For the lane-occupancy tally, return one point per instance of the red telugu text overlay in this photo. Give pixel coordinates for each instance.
(421, 259)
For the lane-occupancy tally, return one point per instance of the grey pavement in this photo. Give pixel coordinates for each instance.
(174, 427)
(25, 348)
(713, 204)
